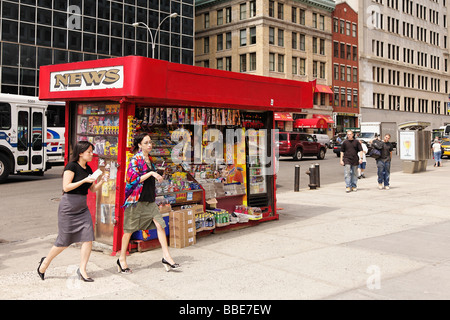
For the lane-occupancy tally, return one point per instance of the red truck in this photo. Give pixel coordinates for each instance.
(298, 145)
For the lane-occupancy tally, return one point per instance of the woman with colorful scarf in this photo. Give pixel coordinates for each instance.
(141, 211)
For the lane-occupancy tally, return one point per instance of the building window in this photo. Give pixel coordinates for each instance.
(220, 17)
(228, 63)
(336, 72)
(280, 11)
(322, 47)
(294, 14)
(302, 68)
(243, 11)
(314, 44)
(281, 38)
(314, 20)
(322, 70)
(252, 8)
(302, 17)
(314, 69)
(336, 49)
(294, 40)
(302, 42)
(335, 25)
(321, 22)
(206, 45)
(280, 63)
(253, 35)
(243, 37)
(294, 65)
(342, 73)
(252, 65)
(220, 63)
(355, 75)
(243, 63)
(271, 61)
(271, 36)
(272, 9)
(206, 22)
(349, 74)
(354, 30)
(228, 17)
(228, 40)
(219, 42)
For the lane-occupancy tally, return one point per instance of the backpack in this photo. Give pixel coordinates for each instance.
(373, 152)
(377, 144)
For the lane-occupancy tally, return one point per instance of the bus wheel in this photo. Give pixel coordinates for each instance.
(4, 168)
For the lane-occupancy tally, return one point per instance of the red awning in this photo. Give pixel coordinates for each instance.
(315, 123)
(323, 89)
(327, 118)
(283, 116)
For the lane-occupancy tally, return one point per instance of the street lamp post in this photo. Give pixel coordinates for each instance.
(136, 24)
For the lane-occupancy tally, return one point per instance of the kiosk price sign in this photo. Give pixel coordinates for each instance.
(108, 101)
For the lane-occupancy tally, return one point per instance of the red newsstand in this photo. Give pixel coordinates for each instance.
(108, 101)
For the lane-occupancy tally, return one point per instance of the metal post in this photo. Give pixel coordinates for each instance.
(312, 176)
(317, 175)
(297, 178)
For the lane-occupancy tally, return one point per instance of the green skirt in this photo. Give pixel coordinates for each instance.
(140, 217)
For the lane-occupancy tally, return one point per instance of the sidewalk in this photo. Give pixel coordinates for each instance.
(369, 244)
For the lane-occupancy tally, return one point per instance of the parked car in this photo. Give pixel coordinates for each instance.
(445, 148)
(298, 145)
(337, 149)
(323, 138)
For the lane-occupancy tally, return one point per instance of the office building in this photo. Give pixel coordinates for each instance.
(42, 32)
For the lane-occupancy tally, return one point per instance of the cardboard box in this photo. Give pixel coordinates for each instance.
(182, 228)
(182, 242)
(198, 208)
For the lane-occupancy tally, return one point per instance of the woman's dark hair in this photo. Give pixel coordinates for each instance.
(137, 140)
(80, 147)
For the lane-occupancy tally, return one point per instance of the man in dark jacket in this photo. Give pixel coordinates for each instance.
(350, 160)
(384, 163)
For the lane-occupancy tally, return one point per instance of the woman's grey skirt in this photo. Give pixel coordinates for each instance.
(74, 221)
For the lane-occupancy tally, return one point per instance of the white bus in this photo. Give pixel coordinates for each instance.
(22, 135)
(55, 132)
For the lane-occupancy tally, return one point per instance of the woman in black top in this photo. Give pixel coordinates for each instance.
(74, 218)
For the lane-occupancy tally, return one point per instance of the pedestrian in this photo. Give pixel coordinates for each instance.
(384, 163)
(363, 164)
(74, 217)
(141, 211)
(436, 149)
(350, 151)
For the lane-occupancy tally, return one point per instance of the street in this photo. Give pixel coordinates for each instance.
(30, 203)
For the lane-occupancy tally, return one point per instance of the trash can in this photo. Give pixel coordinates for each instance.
(414, 146)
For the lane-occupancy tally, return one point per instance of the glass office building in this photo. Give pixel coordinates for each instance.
(42, 32)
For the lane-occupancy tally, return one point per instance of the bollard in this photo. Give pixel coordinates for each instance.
(317, 175)
(312, 176)
(297, 178)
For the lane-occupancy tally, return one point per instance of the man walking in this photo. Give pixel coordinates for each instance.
(350, 160)
(384, 163)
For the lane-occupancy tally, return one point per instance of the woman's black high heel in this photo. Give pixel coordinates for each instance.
(169, 266)
(41, 274)
(120, 270)
(80, 276)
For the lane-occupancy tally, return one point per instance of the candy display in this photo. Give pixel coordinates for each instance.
(99, 124)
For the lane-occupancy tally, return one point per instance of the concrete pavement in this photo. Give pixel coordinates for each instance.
(369, 244)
